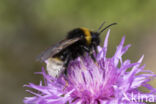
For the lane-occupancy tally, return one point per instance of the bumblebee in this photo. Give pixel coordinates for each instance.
(78, 42)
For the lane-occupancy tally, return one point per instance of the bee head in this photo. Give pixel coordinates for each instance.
(95, 35)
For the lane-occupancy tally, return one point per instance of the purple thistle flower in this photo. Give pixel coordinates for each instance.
(103, 82)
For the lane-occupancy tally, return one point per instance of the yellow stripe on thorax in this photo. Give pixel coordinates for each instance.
(87, 35)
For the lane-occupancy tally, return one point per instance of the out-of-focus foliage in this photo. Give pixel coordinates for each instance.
(29, 26)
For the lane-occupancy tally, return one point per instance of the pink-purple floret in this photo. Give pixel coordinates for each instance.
(100, 82)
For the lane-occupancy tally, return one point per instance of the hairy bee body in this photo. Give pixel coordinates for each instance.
(78, 42)
(54, 67)
(87, 43)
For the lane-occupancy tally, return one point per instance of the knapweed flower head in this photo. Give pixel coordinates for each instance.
(106, 81)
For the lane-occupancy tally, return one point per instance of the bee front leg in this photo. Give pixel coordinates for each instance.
(92, 56)
(95, 48)
(87, 49)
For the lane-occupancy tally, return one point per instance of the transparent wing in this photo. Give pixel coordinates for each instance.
(53, 50)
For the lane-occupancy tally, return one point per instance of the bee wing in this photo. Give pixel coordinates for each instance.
(53, 50)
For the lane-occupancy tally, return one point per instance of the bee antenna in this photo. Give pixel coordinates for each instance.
(106, 27)
(100, 27)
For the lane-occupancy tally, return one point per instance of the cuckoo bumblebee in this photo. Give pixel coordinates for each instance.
(78, 42)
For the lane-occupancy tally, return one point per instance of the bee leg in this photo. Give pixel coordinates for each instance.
(85, 48)
(95, 48)
(66, 63)
(90, 52)
(92, 56)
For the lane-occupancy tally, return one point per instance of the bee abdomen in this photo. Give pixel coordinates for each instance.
(54, 67)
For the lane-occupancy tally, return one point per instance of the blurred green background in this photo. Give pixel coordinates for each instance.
(27, 27)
